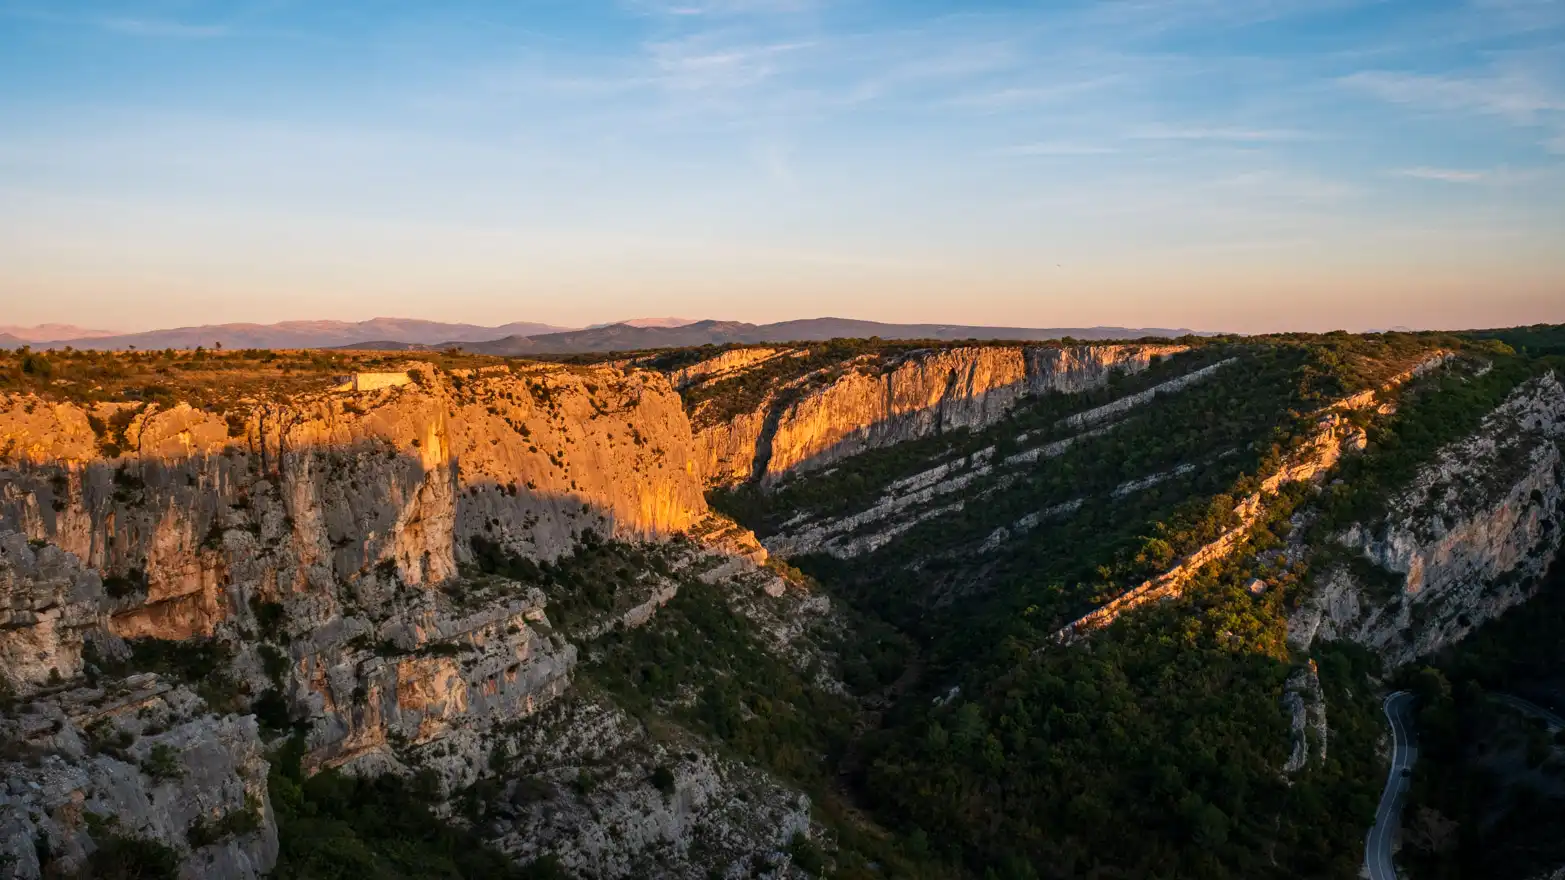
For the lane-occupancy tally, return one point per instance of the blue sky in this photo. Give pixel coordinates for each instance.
(1234, 164)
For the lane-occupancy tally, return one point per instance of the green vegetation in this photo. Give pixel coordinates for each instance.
(1155, 749)
(123, 857)
(211, 380)
(1488, 795)
(336, 827)
(1445, 407)
(856, 483)
(742, 693)
(202, 664)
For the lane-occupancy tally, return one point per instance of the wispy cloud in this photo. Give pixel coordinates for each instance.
(1513, 95)
(1445, 175)
(134, 26)
(148, 27)
(698, 64)
(712, 8)
(1012, 96)
(1199, 133)
(1056, 148)
(1490, 176)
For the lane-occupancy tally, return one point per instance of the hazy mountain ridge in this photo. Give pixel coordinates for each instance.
(49, 333)
(527, 338)
(628, 337)
(297, 334)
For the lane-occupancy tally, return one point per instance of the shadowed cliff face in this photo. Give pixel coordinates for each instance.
(332, 527)
(873, 402)
(1470, 538)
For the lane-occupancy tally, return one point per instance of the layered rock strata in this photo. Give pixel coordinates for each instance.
(823, 418)
(1469, 538)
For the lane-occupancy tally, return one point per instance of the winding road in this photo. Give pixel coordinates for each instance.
(1377, 849)
(1553, 720)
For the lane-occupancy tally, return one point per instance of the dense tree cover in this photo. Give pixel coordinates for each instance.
(1155, 749)
(1448, 405)
(703, 665)
(1152, 751)
(1488, 796)
(1226, 431)
(704, 661)
(337, 827)
(1537, 340)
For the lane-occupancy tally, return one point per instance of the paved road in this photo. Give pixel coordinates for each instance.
(1527, 707)
(1377, 849)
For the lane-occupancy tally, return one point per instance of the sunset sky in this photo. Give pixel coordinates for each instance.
(1219, 164)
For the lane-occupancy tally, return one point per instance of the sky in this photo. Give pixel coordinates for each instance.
(1244, 165)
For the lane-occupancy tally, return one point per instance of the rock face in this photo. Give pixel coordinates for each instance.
(328, 539)
(139, 759)
(951, 485)
(1468, 539)
(727, 364)
(590, 802)
(823, 418)
(1318, 455)
(329, 502)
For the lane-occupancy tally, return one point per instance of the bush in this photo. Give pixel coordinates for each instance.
(121, 857)
(662, 779)
(163, 764)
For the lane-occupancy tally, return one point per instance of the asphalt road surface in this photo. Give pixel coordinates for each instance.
(1377, 850)
(1554, 721)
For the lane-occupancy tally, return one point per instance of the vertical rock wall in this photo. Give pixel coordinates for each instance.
(871, 405)
(1468, 539)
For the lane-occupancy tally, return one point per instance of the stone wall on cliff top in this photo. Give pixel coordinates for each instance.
(1468, 539)
(809, 425)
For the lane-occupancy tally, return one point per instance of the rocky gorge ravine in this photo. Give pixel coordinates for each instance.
(870, 403)
(316, 536)
(412, 574)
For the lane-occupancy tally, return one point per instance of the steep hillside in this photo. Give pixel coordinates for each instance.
(392, 581)
(1169, 526)
(854, 609)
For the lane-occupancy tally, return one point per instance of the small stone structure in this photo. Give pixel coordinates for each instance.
(371, 381)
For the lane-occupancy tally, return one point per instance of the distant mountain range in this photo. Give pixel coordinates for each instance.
(288, 334)
(526, 338)
(648, 322)
(626, 337)
(48, 333)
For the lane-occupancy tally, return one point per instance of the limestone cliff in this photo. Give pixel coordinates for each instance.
(141, 759)
(383, 569)
(1469, 538)
(873, 402)
(331, 502)
(327, 541)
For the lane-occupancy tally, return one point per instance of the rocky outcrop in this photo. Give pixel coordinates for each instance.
(1311, 460)
(326, 503)
(329, 540)
(586, 794)
(948, 487)
(374, 563)
(139, 759)
(728, 364)
(870, 403)
(1306, 705)
(1468, 539)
